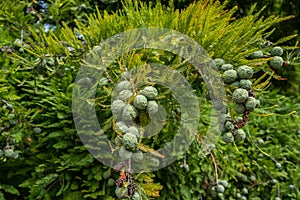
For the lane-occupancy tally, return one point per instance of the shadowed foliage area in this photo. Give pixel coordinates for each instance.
(45, 44)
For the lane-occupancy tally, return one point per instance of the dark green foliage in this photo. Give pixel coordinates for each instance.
(41, 154)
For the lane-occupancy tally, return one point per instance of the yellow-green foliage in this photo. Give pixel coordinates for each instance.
(54, 163)
(204, 21)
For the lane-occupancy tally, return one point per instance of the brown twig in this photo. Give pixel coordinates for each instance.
(213, 159)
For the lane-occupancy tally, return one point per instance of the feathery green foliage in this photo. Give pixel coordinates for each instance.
(38, 80)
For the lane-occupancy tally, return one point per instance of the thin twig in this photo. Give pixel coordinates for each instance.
(215, 165)
(214, 160)
(54, 182)
(22, 36)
